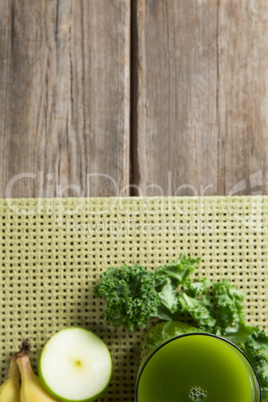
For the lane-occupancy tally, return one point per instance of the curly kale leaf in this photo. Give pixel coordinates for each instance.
(134, 295)
(168, 278)
(200, 287)
(256, 348)
(130, 294)
(228, 304)
(198, 310)
(178, 271)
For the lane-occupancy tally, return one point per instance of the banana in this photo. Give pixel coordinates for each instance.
(32, 389)
(10, 389)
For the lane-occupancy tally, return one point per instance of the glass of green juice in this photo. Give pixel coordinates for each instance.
(195, 367)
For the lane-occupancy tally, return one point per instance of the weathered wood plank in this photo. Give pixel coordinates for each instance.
(64, 97)
(201, 100)
(243, 96)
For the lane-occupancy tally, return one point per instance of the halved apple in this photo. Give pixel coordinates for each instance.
(75, 365)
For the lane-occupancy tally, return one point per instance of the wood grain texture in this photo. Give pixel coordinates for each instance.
(64, 97)
(201, 99)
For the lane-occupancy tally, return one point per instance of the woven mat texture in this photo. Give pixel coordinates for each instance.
(53, 251)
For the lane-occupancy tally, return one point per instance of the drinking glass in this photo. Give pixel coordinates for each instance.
(194, 367)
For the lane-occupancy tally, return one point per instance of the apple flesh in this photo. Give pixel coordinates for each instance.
(75, 365)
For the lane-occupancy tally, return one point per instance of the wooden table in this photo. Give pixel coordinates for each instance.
(141, 97)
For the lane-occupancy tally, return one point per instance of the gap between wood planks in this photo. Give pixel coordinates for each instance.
(134, 167)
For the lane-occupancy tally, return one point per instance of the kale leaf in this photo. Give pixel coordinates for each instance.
(135, 294)
(130, 294)
(197, 309)
(256, 348)
(228, 304)
(178, 271)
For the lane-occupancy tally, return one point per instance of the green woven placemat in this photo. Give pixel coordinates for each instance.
(53, 251)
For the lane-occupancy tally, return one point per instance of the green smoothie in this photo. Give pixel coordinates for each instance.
(197, 368)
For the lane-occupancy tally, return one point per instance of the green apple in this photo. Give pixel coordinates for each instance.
(75, 365)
